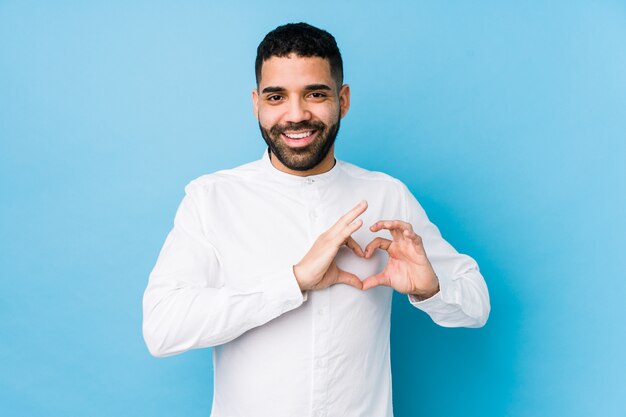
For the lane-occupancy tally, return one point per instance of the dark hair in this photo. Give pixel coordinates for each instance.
(302, 40)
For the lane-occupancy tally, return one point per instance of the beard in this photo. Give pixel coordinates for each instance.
(307, 157)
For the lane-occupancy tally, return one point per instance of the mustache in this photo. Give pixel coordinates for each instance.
(304, 125)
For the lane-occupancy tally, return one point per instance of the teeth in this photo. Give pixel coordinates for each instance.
(298, 135)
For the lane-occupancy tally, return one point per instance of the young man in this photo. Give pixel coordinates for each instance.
(270, 264)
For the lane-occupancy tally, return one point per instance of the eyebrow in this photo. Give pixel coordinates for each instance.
(310, 87)
(272, 90)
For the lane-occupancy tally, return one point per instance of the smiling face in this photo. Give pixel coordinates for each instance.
(299, 105)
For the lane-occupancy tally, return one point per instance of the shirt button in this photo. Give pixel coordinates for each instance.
(310, 181)
(313, 214)
(320, 311)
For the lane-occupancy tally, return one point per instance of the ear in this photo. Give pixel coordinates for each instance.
(344, 99)
(255, 102)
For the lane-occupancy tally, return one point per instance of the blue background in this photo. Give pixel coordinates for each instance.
(506, 119)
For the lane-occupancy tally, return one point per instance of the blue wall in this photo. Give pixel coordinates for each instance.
(506, 119)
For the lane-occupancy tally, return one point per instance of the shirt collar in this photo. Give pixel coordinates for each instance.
(283, 177)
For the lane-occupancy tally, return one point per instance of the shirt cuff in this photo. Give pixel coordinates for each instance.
(438, 303)
(282, 290)
(417, 302)
(304, 294)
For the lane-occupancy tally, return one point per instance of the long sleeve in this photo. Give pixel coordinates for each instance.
(189, 304)
(463, 299)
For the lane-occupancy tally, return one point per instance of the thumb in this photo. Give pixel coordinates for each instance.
(348, 278)
(374, 281)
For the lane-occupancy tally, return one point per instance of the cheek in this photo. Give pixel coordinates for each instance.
(331, 118)
(267, 117)
(326, 115)
(329, 114)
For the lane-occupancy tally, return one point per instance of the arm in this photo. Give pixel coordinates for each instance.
(463, 299)
(188, 304)
(437, 279)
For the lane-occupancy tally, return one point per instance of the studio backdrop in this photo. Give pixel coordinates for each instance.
(506, 119)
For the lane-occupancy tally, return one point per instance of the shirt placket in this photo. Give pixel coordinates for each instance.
(321, 312)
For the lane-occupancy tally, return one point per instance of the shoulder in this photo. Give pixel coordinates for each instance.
(238, 174)
(382, 179)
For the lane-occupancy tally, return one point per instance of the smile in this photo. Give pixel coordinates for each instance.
(300, 135)
(299, 139)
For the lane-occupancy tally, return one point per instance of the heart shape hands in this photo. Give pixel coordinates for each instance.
(408, 269)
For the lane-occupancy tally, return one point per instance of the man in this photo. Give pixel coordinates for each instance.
(270, 264)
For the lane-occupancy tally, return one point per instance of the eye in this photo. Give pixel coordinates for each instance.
(274, 97)
(317, 94)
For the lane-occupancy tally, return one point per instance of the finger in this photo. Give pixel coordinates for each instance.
(348, 278)
(351, 243)
(396, 227)
(391, 225)
(396, 234)
(417, 239)
(377, 243)
(350, 216)
(374, 281)
(347, 231)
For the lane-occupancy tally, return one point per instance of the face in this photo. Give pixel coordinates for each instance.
(299, 105)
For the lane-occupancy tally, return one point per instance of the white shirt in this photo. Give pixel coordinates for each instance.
(224, 278)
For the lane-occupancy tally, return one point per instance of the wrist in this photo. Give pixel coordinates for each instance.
(425, 295)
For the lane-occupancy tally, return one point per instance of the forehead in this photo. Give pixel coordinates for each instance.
(293, 72)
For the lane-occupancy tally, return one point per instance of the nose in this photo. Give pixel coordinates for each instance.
(297, 111)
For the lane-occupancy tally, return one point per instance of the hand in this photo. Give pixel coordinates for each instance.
(318, 269)
(408, 270)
